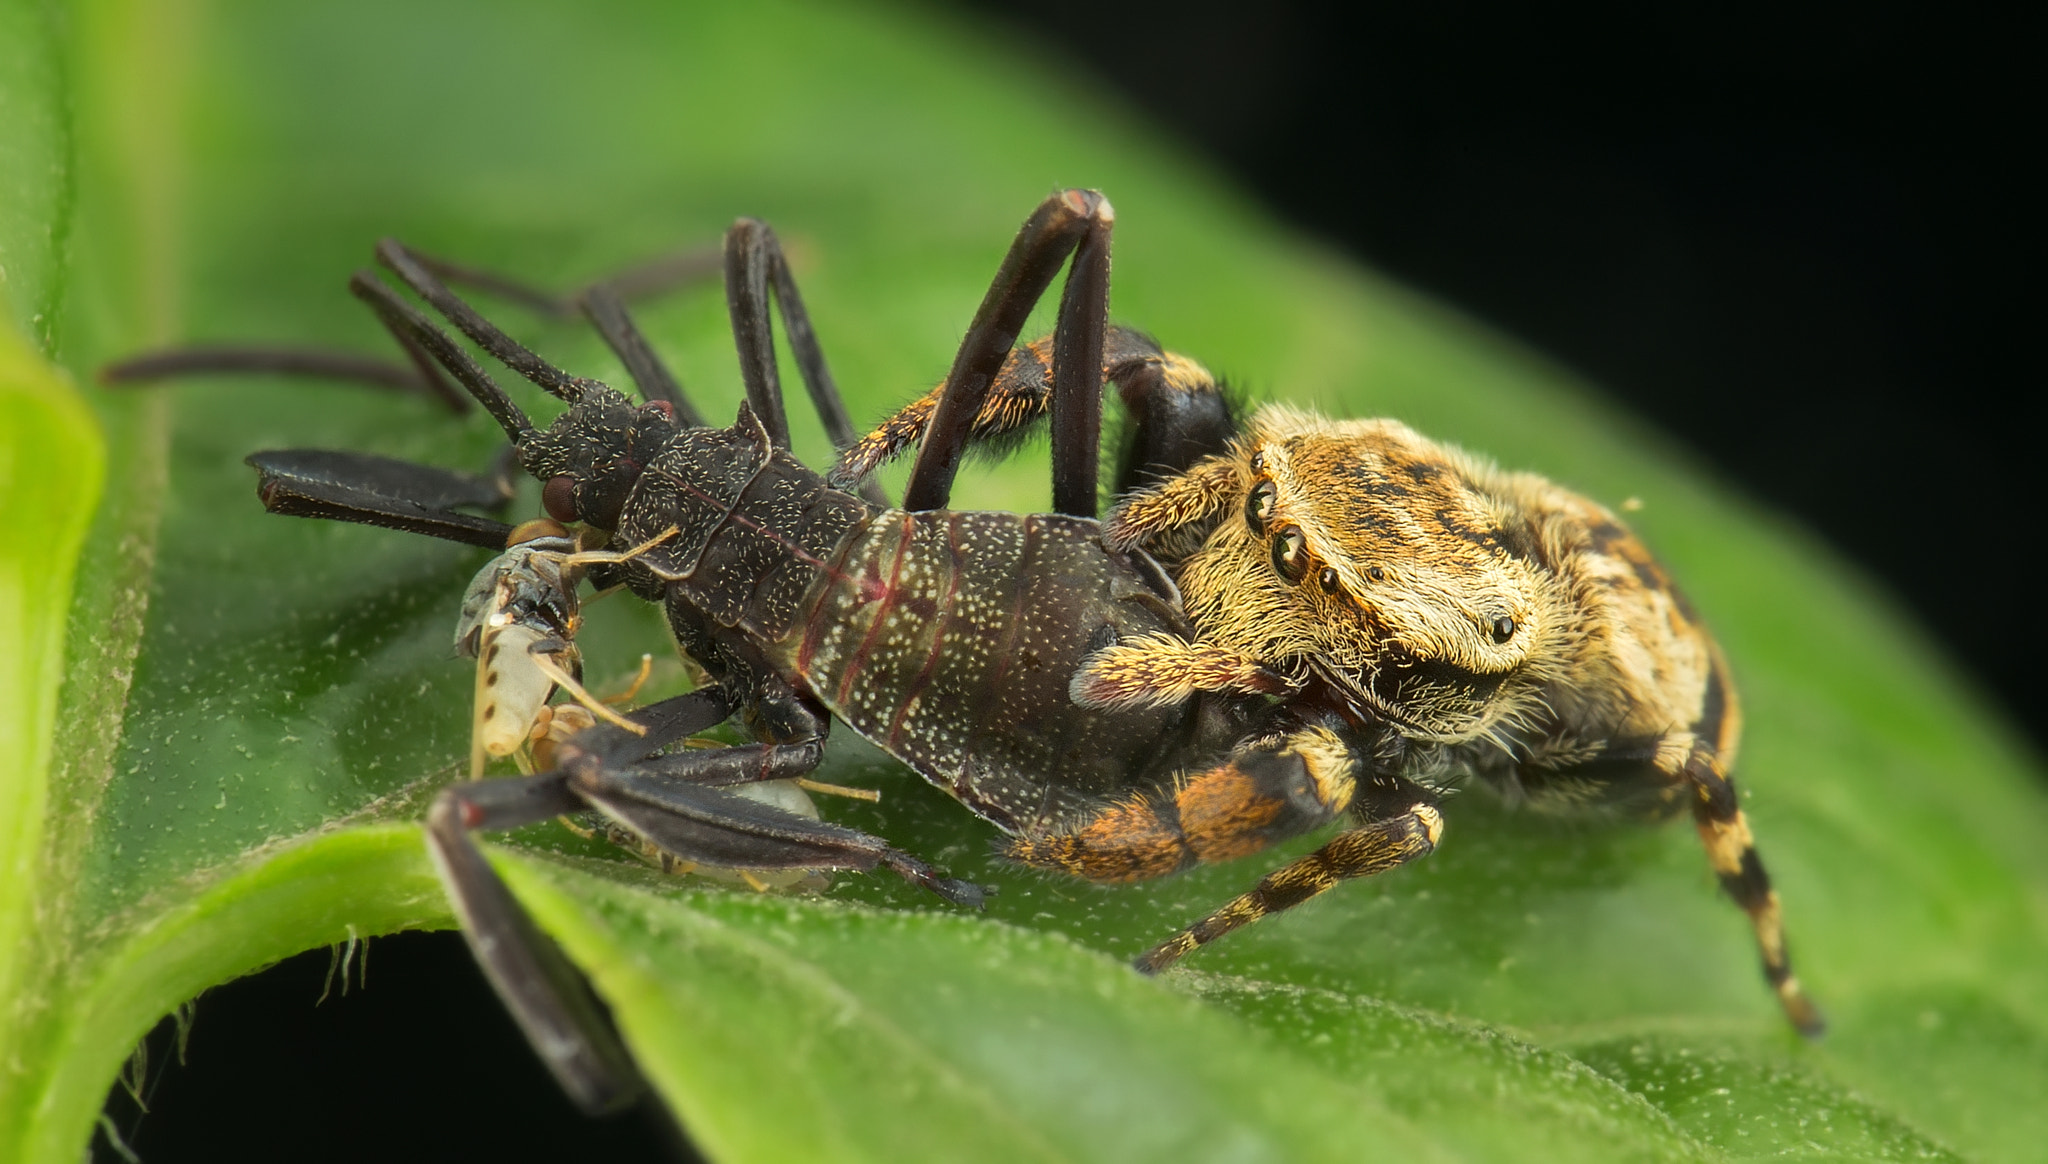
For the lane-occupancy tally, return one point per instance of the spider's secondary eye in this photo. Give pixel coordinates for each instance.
(1377, 573)
(558, 497)
(1258, 507)
(1328, 579)
(1290, 553)
(1503, 629)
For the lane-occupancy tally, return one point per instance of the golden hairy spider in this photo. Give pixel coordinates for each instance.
(1378, 616)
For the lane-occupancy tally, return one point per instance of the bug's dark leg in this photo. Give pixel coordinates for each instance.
(416, 275)
(239, 360)
(649, 278)
(755, 264)
(413, 327)
(546, 995)
(373, 490)
(1068, 220)
(548, 998)
(1402, 824)
(606, 310)
(1179, 413)
(675, 803)
(602, 302)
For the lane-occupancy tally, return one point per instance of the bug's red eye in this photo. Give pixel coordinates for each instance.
(558, 497)
(662, 406)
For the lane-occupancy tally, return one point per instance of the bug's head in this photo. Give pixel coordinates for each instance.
(590, 457)
(1382, 561)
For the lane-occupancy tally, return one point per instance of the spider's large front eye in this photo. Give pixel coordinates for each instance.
(1290, 553)
(1258, 507)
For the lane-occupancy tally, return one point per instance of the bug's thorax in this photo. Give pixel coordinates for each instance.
(591, 458)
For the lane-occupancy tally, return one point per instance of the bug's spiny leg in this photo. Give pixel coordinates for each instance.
(755, 263)
(256, 360)
(563, 1021)
(606, 310)
(649, 278)
(411, 326)
(746, 300)
(1260, 796)
(1731, 850)
(485, 334)
(1052, 232)
(373, 490)
(1077, 370)
(1410, 833)
(1179, 410)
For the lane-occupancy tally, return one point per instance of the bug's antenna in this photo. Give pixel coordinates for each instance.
(409, 323)
(502, 348)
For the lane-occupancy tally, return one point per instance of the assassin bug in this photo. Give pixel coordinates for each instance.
(1286, 621)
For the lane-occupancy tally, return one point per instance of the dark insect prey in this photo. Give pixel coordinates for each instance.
(1284, 622)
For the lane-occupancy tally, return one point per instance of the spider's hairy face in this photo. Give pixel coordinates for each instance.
(1381, 561)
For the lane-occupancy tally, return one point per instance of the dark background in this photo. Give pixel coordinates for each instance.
(1793, 238)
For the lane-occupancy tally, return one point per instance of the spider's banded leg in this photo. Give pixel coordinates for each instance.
(1411, 831)
(755, 264)
(1732, 852)
(1259, 797)
(380, 491)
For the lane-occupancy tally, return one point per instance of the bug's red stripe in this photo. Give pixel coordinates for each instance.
(942, 617)
(852, 666)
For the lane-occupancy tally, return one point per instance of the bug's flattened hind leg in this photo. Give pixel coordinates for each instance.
(1409, 833)
(380, 491)
(1262, 795)
(755, 263)
(549, 999)
(1732, 851)
(680, 805)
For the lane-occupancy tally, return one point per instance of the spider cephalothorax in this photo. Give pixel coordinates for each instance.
(1398, 568)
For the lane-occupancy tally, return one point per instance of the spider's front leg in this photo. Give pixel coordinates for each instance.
(1263, 794)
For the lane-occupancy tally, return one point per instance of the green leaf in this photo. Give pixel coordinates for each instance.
(225, 763)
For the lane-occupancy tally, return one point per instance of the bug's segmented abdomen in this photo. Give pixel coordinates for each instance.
(949, 639)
